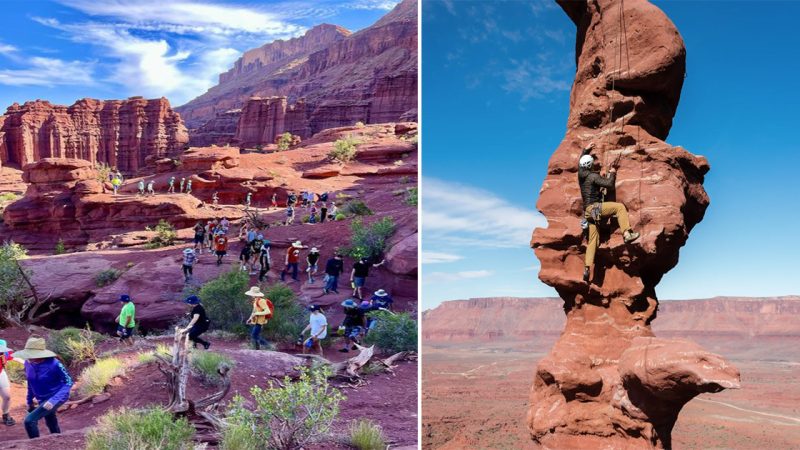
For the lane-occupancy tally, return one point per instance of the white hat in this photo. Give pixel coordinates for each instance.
(381, 293)
(314, 250)
(586, 161)
(297, 244)
(254, 291)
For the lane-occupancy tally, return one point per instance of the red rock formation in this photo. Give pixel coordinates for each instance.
(582, 397)
(217, 131)
(264, 119)
(369, 76)
(121, 133)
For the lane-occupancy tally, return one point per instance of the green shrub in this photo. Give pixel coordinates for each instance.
(284, 141)
(150, 429)
(366, 435)
(205, 365)
(355, 208)
(165, 235)
(60, 249)
(74, 344)
(289, 317)
(16, 372)
(411, 197)
(339, 216)
(393, 332)
(107, 277)
(369, 241)
(285, 418)
(8, 197)
(14, 290)
(150, 356)
(225, 302)
(344, 150)
(96, 377)
(360, 124)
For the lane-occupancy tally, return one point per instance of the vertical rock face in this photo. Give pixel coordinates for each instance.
(608, 383)
(217, 131)
(335, 79)
(121, 133)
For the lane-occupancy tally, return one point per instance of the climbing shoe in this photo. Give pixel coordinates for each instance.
(586, 274)
(8, 420)
(630, 236)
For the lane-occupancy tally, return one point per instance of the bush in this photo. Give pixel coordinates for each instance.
(150, 356)
(8, 197)
(355, 208)
(289, 317)
(287, 140)
(96, 377)
(344, 150)
(107, 277)
(225, 302)
(339, 216)
(74, 344)
(16, 372)
(369, 241)
(393, 332)
(205, 365)
(285, 418)
(60, 249)
(151, 429)
(411, 197)
(165, 235)
(360, 124)
(14, 290)
(366, 435)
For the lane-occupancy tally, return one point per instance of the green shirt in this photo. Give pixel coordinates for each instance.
(127, 311)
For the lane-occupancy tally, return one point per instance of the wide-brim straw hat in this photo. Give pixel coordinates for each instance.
(381, 293)
(34, 348)
(3, 347)
(254, 291)
(297, 244)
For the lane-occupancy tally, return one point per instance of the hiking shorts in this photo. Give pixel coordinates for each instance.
(359, 281)
(221, 252)
(124, 332)
(199, 238)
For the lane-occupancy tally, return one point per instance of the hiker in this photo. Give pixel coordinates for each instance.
(141, 187)
(243, 231)
(381, 300)
(292, 260)
(311, 260)
(189, 258)
(126, 320)
(358, 277)
(247, 200)
(171, 188)
(262, 312)
(225, 224)
(151, 188)
(119, 175)
(291, 199)
(256, 246)
(116, 183)
(199, 237)
(244, 256)
(264, 261)
(312, 217)
(48, 383)
(6, 354)
(317, 328)
(220, 246)
(333, 268)
(303, 198)
(353, 324)
(289, 215)
(252, 233)
(333, 211)
(274, 199)
(323, 212)
(199, 323)
(210, 229)
(594, 208)
(183, 183)
(189, 186)
(215, 199)
(323, 197)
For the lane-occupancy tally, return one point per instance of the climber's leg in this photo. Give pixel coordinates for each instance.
(591, 248)
(618, 209)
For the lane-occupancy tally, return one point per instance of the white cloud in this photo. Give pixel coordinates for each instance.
(528, 80)
(462, 215)
(439, 257)
(48, 72)
(6, 49)
(449, 277)
(384, 5)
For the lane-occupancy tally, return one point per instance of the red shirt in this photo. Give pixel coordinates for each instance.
(293, 255)
(221, 244)
(4, 359)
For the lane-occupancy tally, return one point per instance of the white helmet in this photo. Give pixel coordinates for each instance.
(586, 161)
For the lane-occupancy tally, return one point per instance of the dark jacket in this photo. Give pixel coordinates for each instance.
(334, 267)
(47, 381)
(591, 182)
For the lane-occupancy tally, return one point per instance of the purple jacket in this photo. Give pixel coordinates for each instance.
(47, 381)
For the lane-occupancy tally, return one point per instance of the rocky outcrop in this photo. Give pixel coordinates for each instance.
(218, 131)
(120, 133)
(581, 398)
(369, 76)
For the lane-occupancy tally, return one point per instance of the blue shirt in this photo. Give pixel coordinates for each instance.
(47, 381)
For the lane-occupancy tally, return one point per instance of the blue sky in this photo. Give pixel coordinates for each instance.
(63, 50)
(495, 92)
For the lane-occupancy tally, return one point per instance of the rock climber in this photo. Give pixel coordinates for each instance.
(594, 208)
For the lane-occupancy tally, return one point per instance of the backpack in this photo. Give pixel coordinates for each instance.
(271, 309)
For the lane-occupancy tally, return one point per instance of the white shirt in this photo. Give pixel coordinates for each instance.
(318, 321)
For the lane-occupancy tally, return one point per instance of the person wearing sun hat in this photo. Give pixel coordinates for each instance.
(126, 320)
(292, 260)
(49, 384)
(198, 324)
(262, 312)
(5, 384)
(353, 324)
(381, 300)
(312, 259)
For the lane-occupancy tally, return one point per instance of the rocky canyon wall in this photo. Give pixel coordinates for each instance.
(126, 134)
(609, 382)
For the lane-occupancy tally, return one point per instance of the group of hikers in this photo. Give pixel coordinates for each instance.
(318, 206)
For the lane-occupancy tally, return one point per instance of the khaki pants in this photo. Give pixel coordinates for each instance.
(607, 209)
